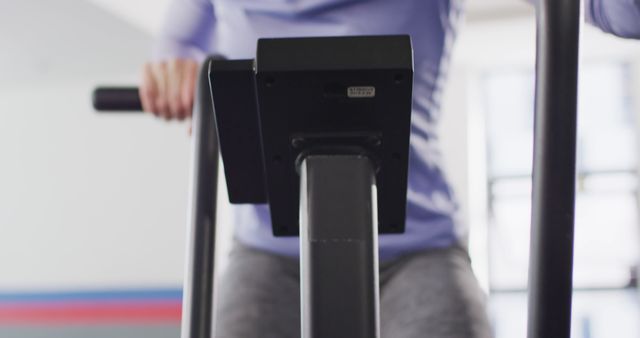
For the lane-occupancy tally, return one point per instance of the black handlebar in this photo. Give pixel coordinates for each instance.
(116, 99)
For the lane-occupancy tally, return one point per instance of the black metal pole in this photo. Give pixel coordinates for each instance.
(338, 244)
(551, 261)
(197, 304)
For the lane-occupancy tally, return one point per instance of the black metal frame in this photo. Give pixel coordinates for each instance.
(338, 247)
(551, 260)
(198, 296)
(338, 238)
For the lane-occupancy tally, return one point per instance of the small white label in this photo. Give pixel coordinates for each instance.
(361, 92)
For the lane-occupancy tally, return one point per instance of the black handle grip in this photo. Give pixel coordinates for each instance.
(116, 99)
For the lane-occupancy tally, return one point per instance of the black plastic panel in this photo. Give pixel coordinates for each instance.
(232, 86)
(341, 94)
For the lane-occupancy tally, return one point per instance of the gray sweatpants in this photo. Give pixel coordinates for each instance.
(430, 294)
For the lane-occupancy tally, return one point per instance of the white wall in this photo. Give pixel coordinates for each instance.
(146, 15)
(86, 200)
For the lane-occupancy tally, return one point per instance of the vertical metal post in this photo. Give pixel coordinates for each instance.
(551, 262)
(197, 303)
(338, 244)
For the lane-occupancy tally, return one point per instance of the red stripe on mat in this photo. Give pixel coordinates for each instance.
(83, 313)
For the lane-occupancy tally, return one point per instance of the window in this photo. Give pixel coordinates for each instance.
(606, 247)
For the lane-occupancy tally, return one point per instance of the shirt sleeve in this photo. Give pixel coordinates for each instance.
(187, 31)
(619, 17)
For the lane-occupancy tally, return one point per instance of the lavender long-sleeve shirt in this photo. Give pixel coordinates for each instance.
(195, 28)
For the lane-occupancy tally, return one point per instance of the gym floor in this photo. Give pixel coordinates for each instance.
(597, 314)
(93, 331)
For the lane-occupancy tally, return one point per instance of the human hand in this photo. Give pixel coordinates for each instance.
(168, 88)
